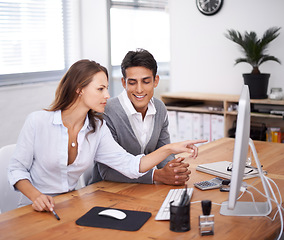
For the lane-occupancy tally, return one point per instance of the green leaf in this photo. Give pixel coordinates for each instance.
(253, 48)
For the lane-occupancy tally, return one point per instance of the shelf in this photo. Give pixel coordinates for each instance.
(260, 115)
(266, 115)
(199, 109)
(224, 104)
(268, 101)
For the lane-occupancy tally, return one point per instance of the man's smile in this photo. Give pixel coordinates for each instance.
(139, 97)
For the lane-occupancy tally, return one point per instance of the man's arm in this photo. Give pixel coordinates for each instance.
(164, 138)
(110, 174)
(171, 171)
(175, 173)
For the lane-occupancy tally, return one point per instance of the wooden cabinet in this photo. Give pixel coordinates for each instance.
(226, 105)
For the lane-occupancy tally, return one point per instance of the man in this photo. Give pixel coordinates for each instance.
(138, 122)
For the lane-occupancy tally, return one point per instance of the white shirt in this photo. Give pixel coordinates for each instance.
(142, 128)
(41, 154)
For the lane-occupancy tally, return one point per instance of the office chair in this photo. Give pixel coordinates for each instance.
(8, 197)
(81, 182)
(85, 178)
(91, 175)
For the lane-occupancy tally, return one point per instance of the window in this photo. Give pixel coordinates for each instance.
(32, 40)
(139, 24)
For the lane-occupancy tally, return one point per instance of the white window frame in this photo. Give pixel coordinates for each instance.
(156, 5)
(43, 76)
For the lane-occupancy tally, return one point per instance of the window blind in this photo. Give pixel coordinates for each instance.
(146, 4)
(31, 39)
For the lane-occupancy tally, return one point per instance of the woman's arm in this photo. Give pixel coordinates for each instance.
(109, 152)
(150, 160)
(21, 163)
(40, 201)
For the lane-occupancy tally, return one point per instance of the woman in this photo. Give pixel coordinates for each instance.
(57, 145)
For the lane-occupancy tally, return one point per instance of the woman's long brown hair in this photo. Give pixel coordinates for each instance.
(78, 76)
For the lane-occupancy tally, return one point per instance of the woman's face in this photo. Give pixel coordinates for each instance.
(94, 96)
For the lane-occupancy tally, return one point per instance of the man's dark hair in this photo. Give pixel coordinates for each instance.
(139, 58)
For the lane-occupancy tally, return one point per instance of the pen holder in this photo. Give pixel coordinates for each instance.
(180, 218)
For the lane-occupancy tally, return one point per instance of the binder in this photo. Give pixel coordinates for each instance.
(197, 126)
(207, 127)
(217, 126)
(185, 125)
(173, 126)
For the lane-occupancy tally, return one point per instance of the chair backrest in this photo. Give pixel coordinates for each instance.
(84, 178)
(8, 197)
(91, 175)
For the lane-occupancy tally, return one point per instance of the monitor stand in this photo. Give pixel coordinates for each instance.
(250, 208)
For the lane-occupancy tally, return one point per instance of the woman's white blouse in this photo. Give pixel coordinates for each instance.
(41, 154)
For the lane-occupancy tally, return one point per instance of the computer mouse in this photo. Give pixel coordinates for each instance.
(114, 213)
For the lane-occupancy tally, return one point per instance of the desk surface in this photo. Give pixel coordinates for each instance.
(25, 223)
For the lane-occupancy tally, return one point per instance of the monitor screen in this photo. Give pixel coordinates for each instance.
(232, 207)
(241, 146)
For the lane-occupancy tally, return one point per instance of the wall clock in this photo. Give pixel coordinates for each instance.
(209, 7)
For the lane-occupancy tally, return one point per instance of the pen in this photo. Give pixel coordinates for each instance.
(186, 200)
(184, 197)
(55, 214)
(249, 171)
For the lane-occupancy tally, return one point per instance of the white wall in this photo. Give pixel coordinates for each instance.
(16, 102)
(202, 59)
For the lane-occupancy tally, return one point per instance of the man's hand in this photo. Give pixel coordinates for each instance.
(176, 172)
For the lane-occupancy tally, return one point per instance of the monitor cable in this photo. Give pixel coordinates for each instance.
(274, 199)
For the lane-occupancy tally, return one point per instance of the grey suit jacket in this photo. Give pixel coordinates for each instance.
(121, 129)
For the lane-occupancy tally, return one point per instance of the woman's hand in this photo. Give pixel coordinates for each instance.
(186, 146)
(43, 203)
(152, 159)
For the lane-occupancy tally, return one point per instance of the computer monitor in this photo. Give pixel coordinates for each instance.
(233, 207)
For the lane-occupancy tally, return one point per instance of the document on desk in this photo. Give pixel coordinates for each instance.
(219, 169)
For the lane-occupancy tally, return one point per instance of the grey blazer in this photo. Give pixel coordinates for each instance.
(120, 127)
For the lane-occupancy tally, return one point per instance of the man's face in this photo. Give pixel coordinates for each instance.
(139, 85)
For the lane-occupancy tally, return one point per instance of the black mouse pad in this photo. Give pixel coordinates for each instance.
(133, 221)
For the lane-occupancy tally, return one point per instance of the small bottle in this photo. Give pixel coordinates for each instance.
(206, 221)
(276, 94)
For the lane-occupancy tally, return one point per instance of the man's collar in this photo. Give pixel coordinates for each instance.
(127, 103)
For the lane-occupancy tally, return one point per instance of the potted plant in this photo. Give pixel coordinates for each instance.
(254, 50)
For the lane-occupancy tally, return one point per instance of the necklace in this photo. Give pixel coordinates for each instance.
(73, 144)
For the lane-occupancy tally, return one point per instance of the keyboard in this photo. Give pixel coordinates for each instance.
(173, 195)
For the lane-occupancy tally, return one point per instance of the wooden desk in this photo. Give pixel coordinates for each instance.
(25, 223)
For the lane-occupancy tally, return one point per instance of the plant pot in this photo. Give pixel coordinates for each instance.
(258, 84)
